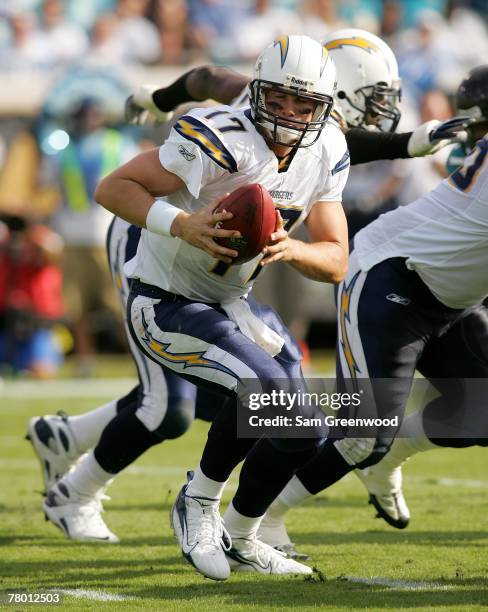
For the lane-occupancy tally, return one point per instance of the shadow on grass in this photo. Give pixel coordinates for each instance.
(280, 592)
(80, 572)
(314, 538)
(238, 591)
(395, 536)
(61, 541)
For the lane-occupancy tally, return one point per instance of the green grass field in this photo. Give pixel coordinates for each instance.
(439, 563)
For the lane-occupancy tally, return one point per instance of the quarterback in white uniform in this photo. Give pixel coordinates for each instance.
(191, 315)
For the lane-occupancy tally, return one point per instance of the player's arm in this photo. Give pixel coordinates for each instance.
(365, 146)
(202, 83)
(210, 82)
(130, 192)
(323, 259)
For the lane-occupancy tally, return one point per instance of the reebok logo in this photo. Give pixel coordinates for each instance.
(296, 81)
(293, 81)
(186, 154)
(398, 299)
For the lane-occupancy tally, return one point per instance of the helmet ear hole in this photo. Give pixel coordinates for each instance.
(341, 94)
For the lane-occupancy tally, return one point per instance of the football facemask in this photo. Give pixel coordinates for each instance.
(288, 131)
(379, 108)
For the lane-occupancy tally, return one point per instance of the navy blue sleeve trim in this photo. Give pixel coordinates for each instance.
(207, 140)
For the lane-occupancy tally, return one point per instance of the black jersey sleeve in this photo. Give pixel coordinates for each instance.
(365, 146)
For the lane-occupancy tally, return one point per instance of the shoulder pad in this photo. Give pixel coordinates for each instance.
(207, 137)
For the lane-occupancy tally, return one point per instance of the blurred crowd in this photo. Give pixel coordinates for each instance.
(428, 35)
(55, 287)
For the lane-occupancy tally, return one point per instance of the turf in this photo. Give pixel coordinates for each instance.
(443, 553)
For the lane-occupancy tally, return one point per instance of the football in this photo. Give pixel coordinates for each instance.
(254, 217)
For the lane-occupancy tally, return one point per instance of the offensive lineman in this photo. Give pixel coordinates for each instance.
(418, 431)
(412, 299)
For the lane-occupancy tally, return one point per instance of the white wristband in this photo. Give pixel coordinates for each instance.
(160, 217)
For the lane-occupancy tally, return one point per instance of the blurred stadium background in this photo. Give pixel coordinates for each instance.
(66, 68)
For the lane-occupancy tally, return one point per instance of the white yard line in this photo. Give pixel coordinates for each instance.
(404, 585)
(462, 482)
(179, 470)
(76, 388)
(67, 388)
(467, 483)
(94, 595)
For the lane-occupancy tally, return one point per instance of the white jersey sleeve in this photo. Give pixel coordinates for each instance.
(336, 157)
(242, 99)
(196, 151)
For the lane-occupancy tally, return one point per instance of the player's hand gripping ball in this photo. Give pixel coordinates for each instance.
(254, 216)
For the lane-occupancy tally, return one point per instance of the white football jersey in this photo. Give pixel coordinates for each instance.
(443, 234)
(215, 151)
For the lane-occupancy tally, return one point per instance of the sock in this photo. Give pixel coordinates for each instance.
(87, 479)
(86, 428)
(326, 468)
(264, 474)
(202, 486)
(168, 98)
(240, 526)
(292, 495)
(123, 440)
(411, 439)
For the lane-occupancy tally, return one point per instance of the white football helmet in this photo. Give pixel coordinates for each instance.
(299, 66)
(368, 84)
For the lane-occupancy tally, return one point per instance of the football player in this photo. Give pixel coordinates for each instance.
(418, 432)
(188, 304)
(412, 299)
(165, 408)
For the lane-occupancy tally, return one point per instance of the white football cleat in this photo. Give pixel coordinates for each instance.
(79, 519)
(272, 531)
(252, 555)
(200, 532)
(384, 485)
(54, 446)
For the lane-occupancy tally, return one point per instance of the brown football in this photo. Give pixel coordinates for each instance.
(254, 217)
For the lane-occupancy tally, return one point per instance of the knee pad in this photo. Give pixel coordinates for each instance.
(355, 450)
(177, 420)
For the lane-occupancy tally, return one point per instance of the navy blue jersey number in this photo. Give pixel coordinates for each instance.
(464, 177)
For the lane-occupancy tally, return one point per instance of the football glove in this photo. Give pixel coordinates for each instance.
(431, 136)
(140, 104)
